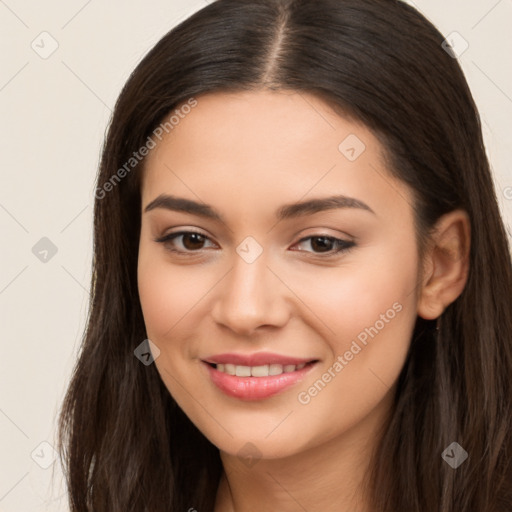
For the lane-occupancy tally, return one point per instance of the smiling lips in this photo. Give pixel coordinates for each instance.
(256, 376)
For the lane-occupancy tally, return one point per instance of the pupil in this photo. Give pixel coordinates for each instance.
(191, 236)
(324, 242)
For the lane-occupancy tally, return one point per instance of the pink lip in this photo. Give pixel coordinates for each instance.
(257, 359)
(255, 388)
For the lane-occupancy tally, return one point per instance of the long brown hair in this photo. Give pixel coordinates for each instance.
(125, 444)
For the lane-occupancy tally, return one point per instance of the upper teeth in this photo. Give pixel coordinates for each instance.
(258, 371)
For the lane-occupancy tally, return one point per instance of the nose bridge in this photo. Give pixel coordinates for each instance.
(248, 297)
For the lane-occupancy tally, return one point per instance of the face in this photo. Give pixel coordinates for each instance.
(311, 307)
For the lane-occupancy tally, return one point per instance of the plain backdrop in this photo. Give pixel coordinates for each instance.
(63, 65)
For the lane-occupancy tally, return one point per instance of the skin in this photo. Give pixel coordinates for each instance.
(246, 154)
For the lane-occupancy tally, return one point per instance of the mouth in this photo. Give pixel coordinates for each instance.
(256, 381)
(265, 370)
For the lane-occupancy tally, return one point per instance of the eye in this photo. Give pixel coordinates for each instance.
(192, 241)
(328, 245)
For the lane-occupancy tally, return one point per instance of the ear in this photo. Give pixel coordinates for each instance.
(445, 264)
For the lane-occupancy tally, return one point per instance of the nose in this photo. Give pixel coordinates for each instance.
(249, 297)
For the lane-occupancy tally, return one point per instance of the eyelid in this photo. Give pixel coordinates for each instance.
(343, 246)
(169, 237)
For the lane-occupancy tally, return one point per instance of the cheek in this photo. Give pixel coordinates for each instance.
(169, 297)
(349, 302)
(371, 312)
(167, 292)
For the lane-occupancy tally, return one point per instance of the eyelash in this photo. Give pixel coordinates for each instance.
(343, 246)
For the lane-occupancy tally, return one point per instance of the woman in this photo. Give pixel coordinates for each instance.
(301, 286)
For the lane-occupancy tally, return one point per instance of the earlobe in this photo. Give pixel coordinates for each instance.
(447, 261)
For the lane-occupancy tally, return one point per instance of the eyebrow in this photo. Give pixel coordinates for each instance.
(287, 211)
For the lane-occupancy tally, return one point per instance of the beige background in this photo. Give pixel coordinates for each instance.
(54, 112)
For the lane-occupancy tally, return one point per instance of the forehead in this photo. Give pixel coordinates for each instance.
(259, 147)
(283, 122)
